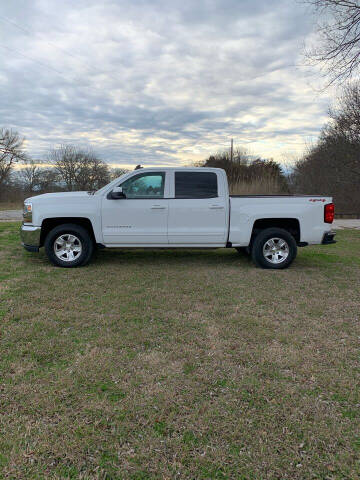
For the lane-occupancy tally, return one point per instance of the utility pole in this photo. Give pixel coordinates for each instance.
(232, 150)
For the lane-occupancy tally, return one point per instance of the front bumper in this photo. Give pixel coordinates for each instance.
(328, 238)
(30, 237)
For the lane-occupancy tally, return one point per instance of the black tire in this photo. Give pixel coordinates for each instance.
(85, 242)
(243, 250)
(257, 251)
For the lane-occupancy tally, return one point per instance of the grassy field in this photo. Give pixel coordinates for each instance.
(189, 365)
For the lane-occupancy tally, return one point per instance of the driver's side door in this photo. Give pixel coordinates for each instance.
(139, 219)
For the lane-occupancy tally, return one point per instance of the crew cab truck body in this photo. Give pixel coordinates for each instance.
(174, 208)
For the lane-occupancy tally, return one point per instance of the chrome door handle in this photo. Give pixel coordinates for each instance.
(216, 207)
(158, 207)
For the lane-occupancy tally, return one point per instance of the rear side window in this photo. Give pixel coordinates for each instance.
(196, 185)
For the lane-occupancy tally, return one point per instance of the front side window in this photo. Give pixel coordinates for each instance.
(146, 185)
(196, 185)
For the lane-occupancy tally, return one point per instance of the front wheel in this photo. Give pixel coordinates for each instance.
(69, 245)
(274, 248)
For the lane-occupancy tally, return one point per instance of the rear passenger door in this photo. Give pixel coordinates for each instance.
(198, 210)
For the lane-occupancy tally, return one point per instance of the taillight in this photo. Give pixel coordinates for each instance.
(329, 213)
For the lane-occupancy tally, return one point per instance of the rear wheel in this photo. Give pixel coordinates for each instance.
(69, 245)
(274, 248)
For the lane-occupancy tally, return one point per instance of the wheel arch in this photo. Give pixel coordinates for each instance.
(292, 225)
(49, 223)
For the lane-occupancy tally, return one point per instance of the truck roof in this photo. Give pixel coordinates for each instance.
(181, 168)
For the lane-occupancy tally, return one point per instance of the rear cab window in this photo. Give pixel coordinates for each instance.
(196, 185)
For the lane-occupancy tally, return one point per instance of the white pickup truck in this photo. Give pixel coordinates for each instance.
(174, 208)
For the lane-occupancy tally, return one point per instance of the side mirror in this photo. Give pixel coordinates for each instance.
(117, 193)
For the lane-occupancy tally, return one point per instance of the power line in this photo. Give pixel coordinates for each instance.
(29, 32)
(92, 67)
(67, 80)
(46, 65)
(32, 59)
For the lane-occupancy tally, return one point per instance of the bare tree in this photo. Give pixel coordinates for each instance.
(49, 180)
(30, 175)
(346, 114)
(66, 162)
(11, 151)
(332, 165)
(339, 32)
(79, 169)
(93, 173)
(117, 172)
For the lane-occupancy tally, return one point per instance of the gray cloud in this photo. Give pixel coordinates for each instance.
(161, 82)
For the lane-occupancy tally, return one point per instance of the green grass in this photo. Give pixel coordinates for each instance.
(180, 364)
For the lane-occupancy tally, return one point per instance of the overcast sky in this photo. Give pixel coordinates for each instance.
(159, 82)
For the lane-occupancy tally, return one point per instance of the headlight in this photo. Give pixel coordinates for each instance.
(27, 212)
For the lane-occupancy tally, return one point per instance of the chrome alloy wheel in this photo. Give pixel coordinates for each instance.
(67, 247)
(276, 250)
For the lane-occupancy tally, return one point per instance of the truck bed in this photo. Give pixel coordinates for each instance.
(281, 195)
(306, 210)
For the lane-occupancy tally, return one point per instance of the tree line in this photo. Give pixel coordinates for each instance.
(71, 168)
(66, 167)
(331, 166)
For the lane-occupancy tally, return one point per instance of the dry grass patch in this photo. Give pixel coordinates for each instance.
(160, 364)
(11, 206)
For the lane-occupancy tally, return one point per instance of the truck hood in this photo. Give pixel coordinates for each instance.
(57, 196)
